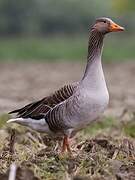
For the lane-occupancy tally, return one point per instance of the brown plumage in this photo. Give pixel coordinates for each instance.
(44, 105)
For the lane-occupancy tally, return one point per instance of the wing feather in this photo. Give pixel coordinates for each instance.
(44, 105)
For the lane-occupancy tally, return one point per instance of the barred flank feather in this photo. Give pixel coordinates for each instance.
(46, 104)
(54, 119)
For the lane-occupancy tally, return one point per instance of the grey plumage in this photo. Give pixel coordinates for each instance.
(74, 106)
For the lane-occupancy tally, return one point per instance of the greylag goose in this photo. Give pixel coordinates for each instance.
(74, 106)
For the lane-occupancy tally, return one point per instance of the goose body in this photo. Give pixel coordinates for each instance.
(74, 106)
(90, 98)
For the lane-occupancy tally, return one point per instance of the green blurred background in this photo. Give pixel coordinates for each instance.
(58, 30)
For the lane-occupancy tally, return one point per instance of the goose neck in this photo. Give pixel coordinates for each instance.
(95, 45)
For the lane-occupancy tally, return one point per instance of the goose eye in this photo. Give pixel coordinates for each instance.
(104, 21)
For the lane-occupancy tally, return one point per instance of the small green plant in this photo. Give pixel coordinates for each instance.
(97, 126)
(3, 119)
(129, 128)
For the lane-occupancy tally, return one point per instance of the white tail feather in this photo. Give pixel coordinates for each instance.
(38, 125)
(15, 120)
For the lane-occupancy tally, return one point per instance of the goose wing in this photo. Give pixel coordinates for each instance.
(44, 105)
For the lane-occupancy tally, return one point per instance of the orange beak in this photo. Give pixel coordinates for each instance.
(115, 27)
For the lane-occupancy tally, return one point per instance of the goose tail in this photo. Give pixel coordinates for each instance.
(39, 125)
(15, 120)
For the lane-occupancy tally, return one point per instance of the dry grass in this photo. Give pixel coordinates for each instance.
(103, 151)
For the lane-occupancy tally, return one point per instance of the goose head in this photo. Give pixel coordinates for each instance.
(106, 25)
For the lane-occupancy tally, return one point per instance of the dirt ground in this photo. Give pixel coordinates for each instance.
(22, 83)
(109, 154)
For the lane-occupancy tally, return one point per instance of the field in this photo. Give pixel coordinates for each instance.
(60, 48)
(104, 150)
